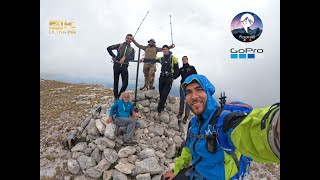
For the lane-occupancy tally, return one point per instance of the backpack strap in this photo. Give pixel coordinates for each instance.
(198, 136)
(212, 122)
(162, 58)
(274, 109)
(222, 139)
(223, 142)
(215, 116)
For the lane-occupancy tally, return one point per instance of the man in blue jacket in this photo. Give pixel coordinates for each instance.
(123, 110)
(169, 72)
(255, 135)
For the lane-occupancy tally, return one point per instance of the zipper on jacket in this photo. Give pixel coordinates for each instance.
(195, 142)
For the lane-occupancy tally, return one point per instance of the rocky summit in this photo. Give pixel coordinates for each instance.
(71, 110)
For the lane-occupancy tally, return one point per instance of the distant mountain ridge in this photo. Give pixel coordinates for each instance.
(107, 82)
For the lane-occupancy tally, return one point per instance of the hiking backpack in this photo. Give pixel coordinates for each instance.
(222, 138)
(166, 66)
(238, 106)
(238, 109)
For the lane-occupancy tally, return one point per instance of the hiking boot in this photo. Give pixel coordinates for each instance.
(151, 87)
(160, 108)
(130, 142)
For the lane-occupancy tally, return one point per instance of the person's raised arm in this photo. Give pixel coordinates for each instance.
(138, 45)
(170, 47)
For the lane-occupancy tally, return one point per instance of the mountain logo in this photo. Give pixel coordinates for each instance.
(246, 27)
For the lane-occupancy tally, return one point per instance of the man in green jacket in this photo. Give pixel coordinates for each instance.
(149, 69)
(169, 72)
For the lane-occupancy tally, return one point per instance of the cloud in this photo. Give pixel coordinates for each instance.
(200, 30)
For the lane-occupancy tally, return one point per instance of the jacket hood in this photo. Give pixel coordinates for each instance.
(211, 104)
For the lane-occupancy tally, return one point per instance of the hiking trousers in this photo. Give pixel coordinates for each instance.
(165, 84)
(183, 105)
(117, 71)
(129, 124)
(149, 71)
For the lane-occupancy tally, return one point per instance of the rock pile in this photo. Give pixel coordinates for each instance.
(102, 154)
(66, 107)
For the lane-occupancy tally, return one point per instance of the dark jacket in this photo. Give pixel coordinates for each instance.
(185, 71)
(121, 49)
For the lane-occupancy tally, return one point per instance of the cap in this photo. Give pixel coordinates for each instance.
(152, 40)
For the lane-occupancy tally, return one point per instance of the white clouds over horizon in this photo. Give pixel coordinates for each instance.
(201, 30)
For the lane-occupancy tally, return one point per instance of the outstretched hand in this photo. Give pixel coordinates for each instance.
(141, 60)
(168, 175)
(109, 120)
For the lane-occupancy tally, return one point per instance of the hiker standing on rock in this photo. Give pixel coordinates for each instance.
(169, 72)
(149, 69)
(217, 140)
(185, 71)
(123, 110)
(125, 53)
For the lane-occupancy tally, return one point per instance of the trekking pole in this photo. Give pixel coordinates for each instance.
(140, 24)
(135, 91)
(171, 30)
(222, 99)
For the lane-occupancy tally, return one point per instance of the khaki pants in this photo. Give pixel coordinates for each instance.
(149, 71)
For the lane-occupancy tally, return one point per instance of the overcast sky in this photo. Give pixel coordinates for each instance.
(200, 30)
